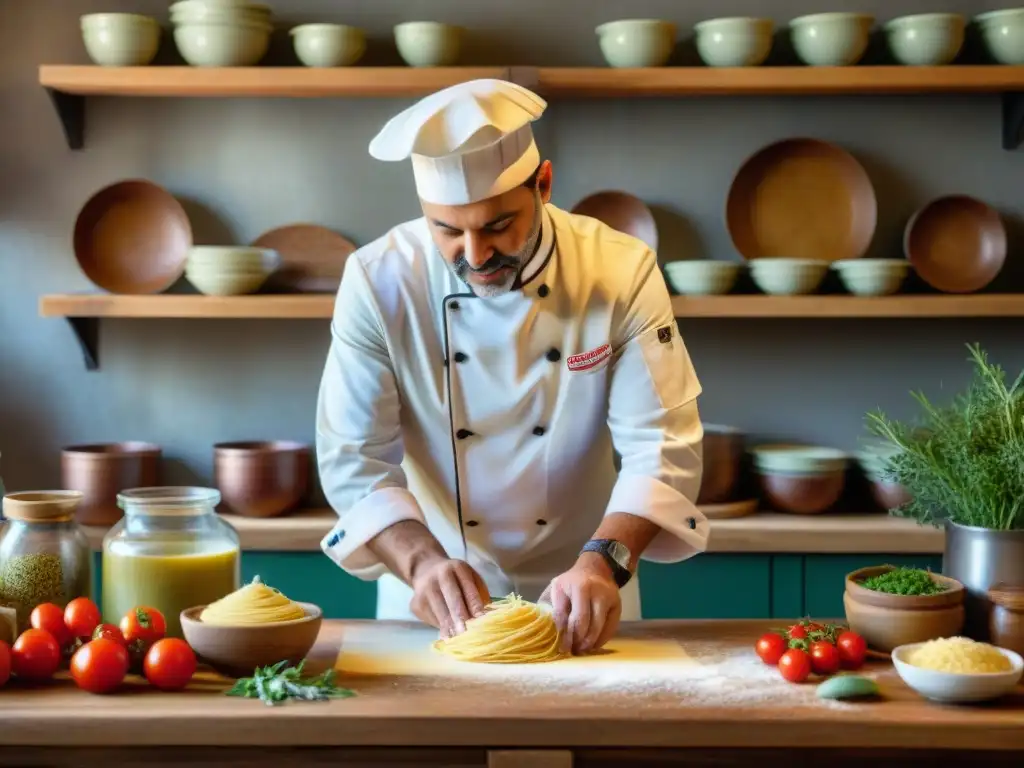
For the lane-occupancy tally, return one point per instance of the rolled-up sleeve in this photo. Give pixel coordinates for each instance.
(358, 431)
(654, 422)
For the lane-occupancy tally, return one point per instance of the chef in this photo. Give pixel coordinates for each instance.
(487, 361)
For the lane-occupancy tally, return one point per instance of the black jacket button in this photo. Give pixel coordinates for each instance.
(538, 431)
(692, 523)
(461, 357)
(472, 523)
(462, 434)
(454, 306)
(542, 522)
(553, 355)
(543, 291)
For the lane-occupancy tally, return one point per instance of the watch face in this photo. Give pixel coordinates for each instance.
(620, 553)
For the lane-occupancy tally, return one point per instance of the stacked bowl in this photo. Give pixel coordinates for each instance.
(230, 270)
(873, 459)
(802, 479)
(221, 33)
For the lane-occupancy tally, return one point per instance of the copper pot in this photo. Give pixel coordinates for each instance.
(103, 470)
(723, 457)
(261, 479)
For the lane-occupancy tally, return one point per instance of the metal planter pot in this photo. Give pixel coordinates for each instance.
(980, 558)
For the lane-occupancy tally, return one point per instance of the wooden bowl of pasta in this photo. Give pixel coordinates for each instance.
(236, 651)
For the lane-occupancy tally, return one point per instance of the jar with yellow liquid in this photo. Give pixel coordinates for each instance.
(170, 551)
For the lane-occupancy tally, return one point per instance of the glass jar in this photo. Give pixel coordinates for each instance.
(170, 551)
(44, 555)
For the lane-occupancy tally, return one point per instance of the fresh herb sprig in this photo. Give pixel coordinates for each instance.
(904, 581)
(965, 461)
(280, 682)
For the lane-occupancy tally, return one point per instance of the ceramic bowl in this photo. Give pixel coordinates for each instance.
(802, 493)
(101, 471)
(328, 45)
(702, 277)
(205, 44)
(428, 43)
(886, 621)
(218, 283)
(734, 42)
(120, 39)
(926, 39)
(637, 42)
(787, 457)
(954, 687)
(872, 277)
(723, 459)
(261, 478)
(831, 39)
(872, 460)
(218, 12)
(233, 257)
(238, 651)
(788, 277)
(1003, 34)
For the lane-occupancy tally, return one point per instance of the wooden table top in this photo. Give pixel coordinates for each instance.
(712, 693)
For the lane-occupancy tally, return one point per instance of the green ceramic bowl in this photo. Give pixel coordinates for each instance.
(429, 43)
(702, 277)
(788, 277)
(1003, 34)
(786, 458)
(872, 277)
(926, 39)
(328, 45)
(831, 39)
(734, 42)
(628, 43)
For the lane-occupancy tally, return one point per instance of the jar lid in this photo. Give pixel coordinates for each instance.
(169, 500)
(1008, 595)
(42, 506)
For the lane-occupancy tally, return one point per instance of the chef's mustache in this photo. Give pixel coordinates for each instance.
(498, 261)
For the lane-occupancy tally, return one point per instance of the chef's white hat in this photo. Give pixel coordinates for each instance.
(467, 143)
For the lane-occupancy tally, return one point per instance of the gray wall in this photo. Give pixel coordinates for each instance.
(244, 166)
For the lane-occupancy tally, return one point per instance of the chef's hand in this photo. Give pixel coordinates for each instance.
(586, 602)
(446, 593)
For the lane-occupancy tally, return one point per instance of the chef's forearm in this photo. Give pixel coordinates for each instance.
(406, 547)
(635, 532)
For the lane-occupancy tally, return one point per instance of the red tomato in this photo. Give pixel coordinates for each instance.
(797, 632)
(100, 665)
(5, 663)
(50, 618)
(35, 655)
(824, 658)
(795, 665)
(852, 650)
(81, 616)
(143, 626)
(109, 632)
(170, 664)
(770, 647)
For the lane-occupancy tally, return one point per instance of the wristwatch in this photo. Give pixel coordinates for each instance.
(616, 554)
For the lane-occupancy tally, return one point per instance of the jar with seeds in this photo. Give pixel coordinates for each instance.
(44, 555)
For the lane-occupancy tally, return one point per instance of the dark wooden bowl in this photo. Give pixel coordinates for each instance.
(262, 479)
(102, 471)
(723, 458)
(809, 494)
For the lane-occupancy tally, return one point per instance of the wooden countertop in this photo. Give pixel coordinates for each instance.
(719, 696)
(763, 532)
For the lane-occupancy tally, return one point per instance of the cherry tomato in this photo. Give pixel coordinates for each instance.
(100, 665)
(852, 650)
(824, 658)
(109, 632)
(81, 616)
(50, 618)
(35, 655)
(770, 647)
(5, 663)
(795, 665)
(170, 664)
(143, 626)
(797, 632)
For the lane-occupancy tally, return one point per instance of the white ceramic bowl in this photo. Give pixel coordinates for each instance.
(926, 39)
(428, 43)
(788, 277)
(702, 277)
(242, 257)
(800, 459)
(628, 43)
(953, 687)
(831, 39)
(1003, 33)
(120, 39)
(734, 42)
(222, 45)
(872, 277)
(217, 283)
(328, 45)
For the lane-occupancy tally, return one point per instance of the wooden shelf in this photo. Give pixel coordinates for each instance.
(69, 85)
(765, 532)
(85, 310)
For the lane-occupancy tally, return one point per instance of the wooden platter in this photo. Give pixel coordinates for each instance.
(312, 258)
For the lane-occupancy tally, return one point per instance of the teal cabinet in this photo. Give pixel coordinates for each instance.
(713, 586)
(824, 578)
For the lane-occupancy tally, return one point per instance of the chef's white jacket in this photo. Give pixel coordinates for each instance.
(498, 418)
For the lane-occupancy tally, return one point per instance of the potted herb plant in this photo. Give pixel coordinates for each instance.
(962, 466)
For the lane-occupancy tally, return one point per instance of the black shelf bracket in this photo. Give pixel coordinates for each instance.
(71, 111)
(1013, 119)
(87, 333)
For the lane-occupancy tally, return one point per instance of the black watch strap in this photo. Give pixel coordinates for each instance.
(613, 552)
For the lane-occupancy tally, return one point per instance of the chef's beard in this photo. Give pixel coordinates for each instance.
(513, 262)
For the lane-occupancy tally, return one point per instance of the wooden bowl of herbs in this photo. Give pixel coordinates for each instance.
(891, 605)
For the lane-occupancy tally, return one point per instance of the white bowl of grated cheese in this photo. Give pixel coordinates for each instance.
(958, 670)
